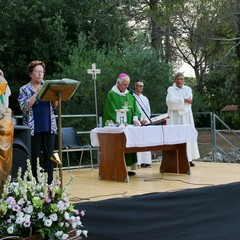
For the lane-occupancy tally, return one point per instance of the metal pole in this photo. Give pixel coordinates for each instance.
(95, 96)
(213, 131)
(60, 135)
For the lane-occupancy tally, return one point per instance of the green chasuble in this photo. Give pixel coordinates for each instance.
(114, 102)
(117, 101)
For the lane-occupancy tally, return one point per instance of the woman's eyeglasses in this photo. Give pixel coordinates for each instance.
(38, 72)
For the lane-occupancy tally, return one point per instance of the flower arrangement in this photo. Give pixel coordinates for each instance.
(31, 206)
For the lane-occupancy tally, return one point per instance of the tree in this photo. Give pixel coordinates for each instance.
(236, 10)
(30, 30)
(47, 30)
(152, 18)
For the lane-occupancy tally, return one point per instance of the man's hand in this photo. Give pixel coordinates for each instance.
(188, 100)
(144, 122)
(136, 123)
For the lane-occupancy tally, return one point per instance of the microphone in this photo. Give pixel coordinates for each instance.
(131, 90)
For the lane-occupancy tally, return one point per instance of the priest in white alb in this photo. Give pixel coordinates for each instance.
(144, 159)
(179, 102)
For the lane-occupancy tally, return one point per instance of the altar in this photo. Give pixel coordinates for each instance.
(114, 142)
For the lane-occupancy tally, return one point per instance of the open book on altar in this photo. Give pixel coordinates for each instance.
(52, 88)
(159, 118)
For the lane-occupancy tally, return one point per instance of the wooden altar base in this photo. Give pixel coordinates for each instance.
(113, 149)
(87, 187)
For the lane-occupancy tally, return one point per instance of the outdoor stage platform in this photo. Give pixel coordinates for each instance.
(201, 206)
(87, 187)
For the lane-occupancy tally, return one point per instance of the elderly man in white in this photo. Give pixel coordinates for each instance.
(144, 159)
(179, 102)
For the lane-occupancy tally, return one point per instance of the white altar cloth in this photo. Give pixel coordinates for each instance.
(152, 135)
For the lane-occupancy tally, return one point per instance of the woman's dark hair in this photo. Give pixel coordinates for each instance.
(33, 64)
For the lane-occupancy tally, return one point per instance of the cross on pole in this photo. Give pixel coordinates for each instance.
(93, 71)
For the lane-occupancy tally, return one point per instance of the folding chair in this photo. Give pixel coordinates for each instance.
(71, 143)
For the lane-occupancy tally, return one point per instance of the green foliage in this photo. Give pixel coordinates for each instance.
(47, 30)
(232, 119)
(220, 88)
(236, 120)
(30, 30)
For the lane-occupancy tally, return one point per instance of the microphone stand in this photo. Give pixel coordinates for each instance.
(131, 91)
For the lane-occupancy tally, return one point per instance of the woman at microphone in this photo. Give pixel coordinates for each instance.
(39, 117)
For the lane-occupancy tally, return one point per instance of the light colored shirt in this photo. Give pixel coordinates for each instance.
(145, 106)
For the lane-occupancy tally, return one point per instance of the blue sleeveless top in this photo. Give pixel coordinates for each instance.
(41, 116)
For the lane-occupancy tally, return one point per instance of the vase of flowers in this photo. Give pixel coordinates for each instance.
(32, 207)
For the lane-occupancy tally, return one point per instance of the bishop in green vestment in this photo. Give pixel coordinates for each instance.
(118, 98)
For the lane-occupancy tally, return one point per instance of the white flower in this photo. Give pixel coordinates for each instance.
(28, 209)
(14, 185)
(66, 215)
(10, 230)
(53, 217)
(27, 217)
(58, 234)
(64, 195)
(65, 236)
(20, 214)
(41, 194)
(74, 225)
(78, 232)
(79, 223)
(41, 215)
(21, 201)
(61, 206)
(67, 224)
(48, 222)
(85, 232)
(67, 202)
(20, 220)
(10, 201)
(76, 212)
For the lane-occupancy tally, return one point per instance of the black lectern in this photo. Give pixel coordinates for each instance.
(58, 90)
